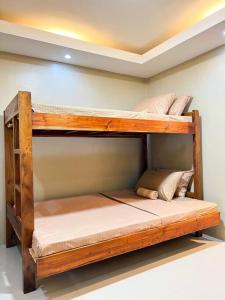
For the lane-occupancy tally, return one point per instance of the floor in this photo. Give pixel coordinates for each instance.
(185, 268)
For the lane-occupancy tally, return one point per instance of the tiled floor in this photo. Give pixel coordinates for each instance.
(184, 268)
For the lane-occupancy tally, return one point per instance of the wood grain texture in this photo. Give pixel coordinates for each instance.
(67, 260)
(197, 156)
(20, 222)
(26, 189)
(15, 222)
(90, 123)
(10, 237)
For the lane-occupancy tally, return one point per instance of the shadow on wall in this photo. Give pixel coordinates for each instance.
(69, 167)
(171, 151)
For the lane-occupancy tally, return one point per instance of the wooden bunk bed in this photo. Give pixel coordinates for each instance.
(21, 124)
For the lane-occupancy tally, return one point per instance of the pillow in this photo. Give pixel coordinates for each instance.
(146, 193)
(157, 105)
(179, 105)
(183, 184)
(163, 181)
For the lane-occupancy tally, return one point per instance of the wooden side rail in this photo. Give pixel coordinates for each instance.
(74, 258)
(89, 123)
(19, 181)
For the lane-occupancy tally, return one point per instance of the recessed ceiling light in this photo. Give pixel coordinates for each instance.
(67, 56)
(224, 32)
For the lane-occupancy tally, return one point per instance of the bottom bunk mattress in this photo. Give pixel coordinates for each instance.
(168, 211)
(65, 224)
(71, 223)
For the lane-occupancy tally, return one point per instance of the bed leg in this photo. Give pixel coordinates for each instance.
(11, 238)
(198, 233)
(29, 273)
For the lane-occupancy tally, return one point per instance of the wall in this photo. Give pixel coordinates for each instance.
(64, 167)
(203, 78)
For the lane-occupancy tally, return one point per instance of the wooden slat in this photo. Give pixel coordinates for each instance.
(17, 187)
(90, 123)
(67, 260)
(16, 151)
(11, 110)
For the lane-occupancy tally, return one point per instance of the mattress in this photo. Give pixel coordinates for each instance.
(65, 224)
(168, 211)
(110, 113)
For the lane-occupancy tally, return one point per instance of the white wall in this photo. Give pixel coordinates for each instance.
(203, 78)
(71, 166)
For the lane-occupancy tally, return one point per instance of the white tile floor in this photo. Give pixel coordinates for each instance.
(184, 268)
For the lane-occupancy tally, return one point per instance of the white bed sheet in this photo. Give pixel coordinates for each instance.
(110, 113)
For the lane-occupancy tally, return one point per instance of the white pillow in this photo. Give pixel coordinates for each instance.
(163, 181)
(157, 105)
(179, 105)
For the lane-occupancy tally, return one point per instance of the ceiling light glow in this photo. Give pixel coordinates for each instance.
(66, 33)
(67, 56)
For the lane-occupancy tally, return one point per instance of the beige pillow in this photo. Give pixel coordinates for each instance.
(183, 184)
(146, 193)
(163, 181)
(157, 105)
(179, 105)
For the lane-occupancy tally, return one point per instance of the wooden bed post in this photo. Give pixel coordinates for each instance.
(26, 189)
(197, 156)
(197, 160)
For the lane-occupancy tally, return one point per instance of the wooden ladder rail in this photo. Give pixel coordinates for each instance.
(19, 182)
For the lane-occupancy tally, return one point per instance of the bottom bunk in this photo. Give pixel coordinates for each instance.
(72, 232)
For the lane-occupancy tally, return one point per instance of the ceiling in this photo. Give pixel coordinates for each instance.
(131, 25)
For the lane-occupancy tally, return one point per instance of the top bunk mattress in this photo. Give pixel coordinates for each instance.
(109, 113)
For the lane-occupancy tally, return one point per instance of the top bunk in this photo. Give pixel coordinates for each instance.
(49, 120)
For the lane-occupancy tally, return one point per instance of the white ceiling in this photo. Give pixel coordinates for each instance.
(119, 21)
(132, 25)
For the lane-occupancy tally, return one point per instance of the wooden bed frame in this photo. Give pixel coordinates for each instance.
(21, 124)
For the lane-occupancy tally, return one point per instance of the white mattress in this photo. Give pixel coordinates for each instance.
(110, 113)
(69, 223)
(168, 211)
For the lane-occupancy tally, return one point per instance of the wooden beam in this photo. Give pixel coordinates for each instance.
(67, 260)
(90, 123)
